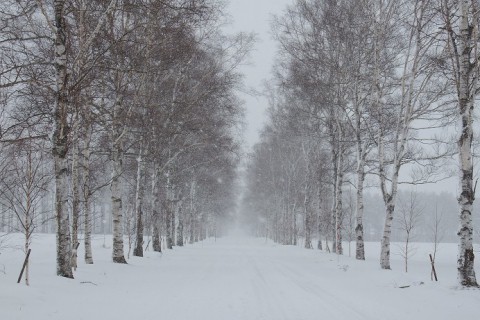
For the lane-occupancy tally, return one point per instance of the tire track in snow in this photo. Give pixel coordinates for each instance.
(282, 295)
(268, 303)
(285, 291)
(336, 307)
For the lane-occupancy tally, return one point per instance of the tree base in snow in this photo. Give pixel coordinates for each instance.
(138, 252)
(119, 260)
(65, 275)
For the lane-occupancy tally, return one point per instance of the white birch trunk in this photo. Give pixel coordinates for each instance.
(339, 203)
(385, 242)
(173, 217)
(294, 226)
(180, 224)
(308, 219)
(360, 245)
(118, 254)
(79, 61)
(168, 213)
(467, 85)
(307, 201)
(156, 242)
(75, 191)
(359, 208)
(87, 192)
(389, 199)
(192, 212)
(138, 251)
(401, 134)
(60, 145)
(387, 232)
(333, 214)
(319, 218)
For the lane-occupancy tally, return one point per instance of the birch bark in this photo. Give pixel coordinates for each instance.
(338, 200)
(192, 212)
(138, 251)
(75, 190)
(360, 245)
(157, 244)
(468, 75)
(308, 215)
(86, 191)
(118, 254)
(180, 224)
(60, 144)
(363, 144)
(78, 64)
(333, 218)
(308, 197)
(320, 217)
(168, 213)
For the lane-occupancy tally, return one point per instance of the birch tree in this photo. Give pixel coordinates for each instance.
(420, 88)
(38, 92)
(87, 190)
(410, 213)
(362, 41)
(63, 108)
(120, 31)
(24, 182)
(460, 23)
(60, 143)
(140, 190)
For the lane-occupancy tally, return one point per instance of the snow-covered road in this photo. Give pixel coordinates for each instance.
(229, 279)
(250, 280)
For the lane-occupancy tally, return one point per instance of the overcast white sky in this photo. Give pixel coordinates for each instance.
(255, 16)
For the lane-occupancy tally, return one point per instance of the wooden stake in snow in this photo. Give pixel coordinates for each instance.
(24, 266)
(433, 267)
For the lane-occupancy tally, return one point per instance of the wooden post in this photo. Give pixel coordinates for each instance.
(24, 266)
(433, 267)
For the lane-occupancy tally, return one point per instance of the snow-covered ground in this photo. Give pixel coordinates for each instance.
(234, 278)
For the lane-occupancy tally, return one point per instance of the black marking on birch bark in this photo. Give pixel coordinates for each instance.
(466, 269)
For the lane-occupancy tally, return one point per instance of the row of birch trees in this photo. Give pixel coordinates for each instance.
(370, 92)
(130, 101)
